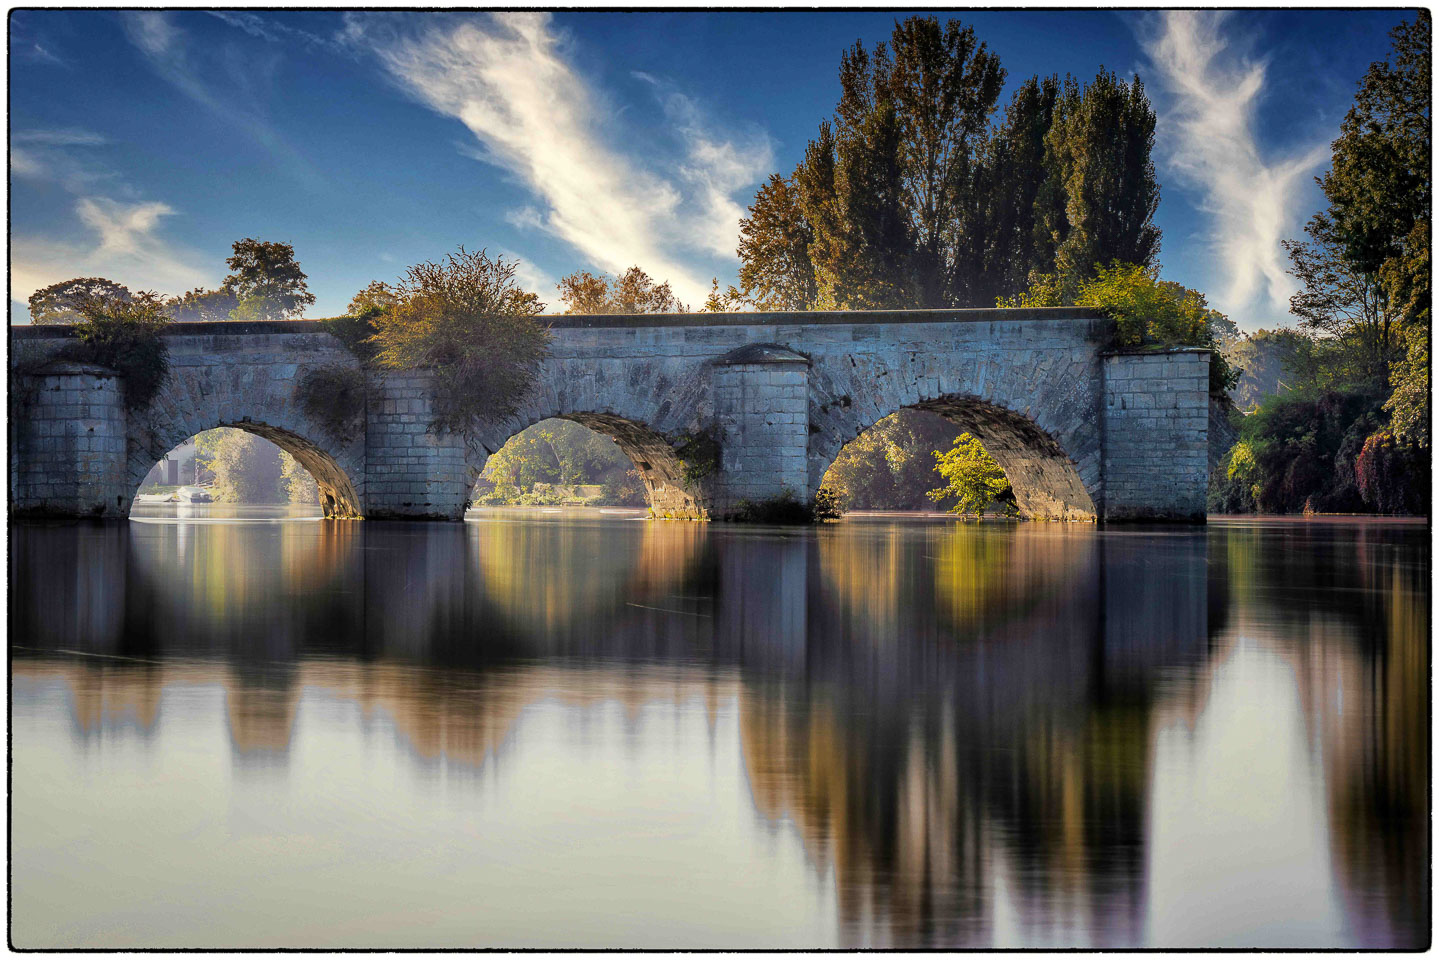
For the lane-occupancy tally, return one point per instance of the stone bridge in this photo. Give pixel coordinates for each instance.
(715, 410)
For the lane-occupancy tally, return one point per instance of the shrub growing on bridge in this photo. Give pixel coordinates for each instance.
(124, 335)
(466, 319)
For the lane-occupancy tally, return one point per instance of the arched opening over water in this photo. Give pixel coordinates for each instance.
(598, 459)
(1043, 476)
(271, 465)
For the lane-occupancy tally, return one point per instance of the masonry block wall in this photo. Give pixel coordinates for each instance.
(73, 429)
(1085, 434)
(412, 471)
(761, 402)
(1156, 435)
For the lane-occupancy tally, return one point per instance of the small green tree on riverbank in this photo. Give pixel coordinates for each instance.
(973, 478)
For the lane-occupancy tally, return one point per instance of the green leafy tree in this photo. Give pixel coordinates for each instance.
(887, 189)
(1099, 200)
(1273, 362)
(972, 477)
(295, 481)
(1344, 304)
(378, 297)
(888, 466)
(564, 452)
(910, 197)
(246, 468)
(1146, 311)
(1013, 174)
(267, 282)
(632, 292)
(201, 305)
(466, 319)
(126, 336)
(60, 302)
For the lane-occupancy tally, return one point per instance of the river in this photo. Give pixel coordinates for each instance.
(246, 727)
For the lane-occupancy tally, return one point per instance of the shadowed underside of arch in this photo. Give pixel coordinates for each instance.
(338, 497)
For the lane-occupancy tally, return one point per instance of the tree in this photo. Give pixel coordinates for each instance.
(888, 187)
(247, 468)
(973, 478)
(910, 197)
(888, 466)
(1146, 311)
(124, 335)
(1273, 362)
(295, 481)
(60, 302)
(632, 292)
(375, 299)
(1342, 302)
(1013, 175)
(775, 270)
(1365, 268)
(467, 320)
(202, 305)
(1100, 196)
(266, 281)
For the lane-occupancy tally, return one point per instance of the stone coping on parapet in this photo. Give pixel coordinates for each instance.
(1155, 351)
(592, 321)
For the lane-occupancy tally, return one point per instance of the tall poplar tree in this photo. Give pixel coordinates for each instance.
(1100, 195)
(911, 197)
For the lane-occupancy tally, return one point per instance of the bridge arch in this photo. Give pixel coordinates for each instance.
(655, 458)
(199, 398)
(1040, 422)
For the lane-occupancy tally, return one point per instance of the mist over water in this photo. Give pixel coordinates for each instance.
(562, 729)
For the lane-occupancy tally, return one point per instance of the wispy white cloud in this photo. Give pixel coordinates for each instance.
(716, 166)
(52, 156)
(1207, 131)
(124, 244)
(270, 29)
(504, 76)
(534, 280)
(64, 137)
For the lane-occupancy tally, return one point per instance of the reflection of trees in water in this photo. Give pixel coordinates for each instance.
(1004, 729)
(1360, 649)
(939, 719)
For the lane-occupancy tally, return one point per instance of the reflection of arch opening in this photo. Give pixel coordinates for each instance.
(1044, 478)
(337, 495)
(660, 470)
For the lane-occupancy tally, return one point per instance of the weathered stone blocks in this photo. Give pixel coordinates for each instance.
(777, 394)
(1156, 435)
(69, 418)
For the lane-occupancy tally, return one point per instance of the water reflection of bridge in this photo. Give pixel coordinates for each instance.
(929, 718)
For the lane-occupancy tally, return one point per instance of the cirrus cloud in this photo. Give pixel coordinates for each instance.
(1252, 199)
(505, 77)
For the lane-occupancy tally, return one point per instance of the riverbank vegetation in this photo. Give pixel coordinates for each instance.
(1346, 427)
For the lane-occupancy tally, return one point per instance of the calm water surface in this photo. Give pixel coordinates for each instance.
(243, 727)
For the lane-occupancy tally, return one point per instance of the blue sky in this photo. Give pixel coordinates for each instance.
(143, 143)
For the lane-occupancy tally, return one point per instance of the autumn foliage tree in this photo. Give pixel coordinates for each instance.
(466, 319)
(632, 292)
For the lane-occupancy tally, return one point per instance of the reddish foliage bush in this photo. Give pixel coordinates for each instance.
(1392, 477)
